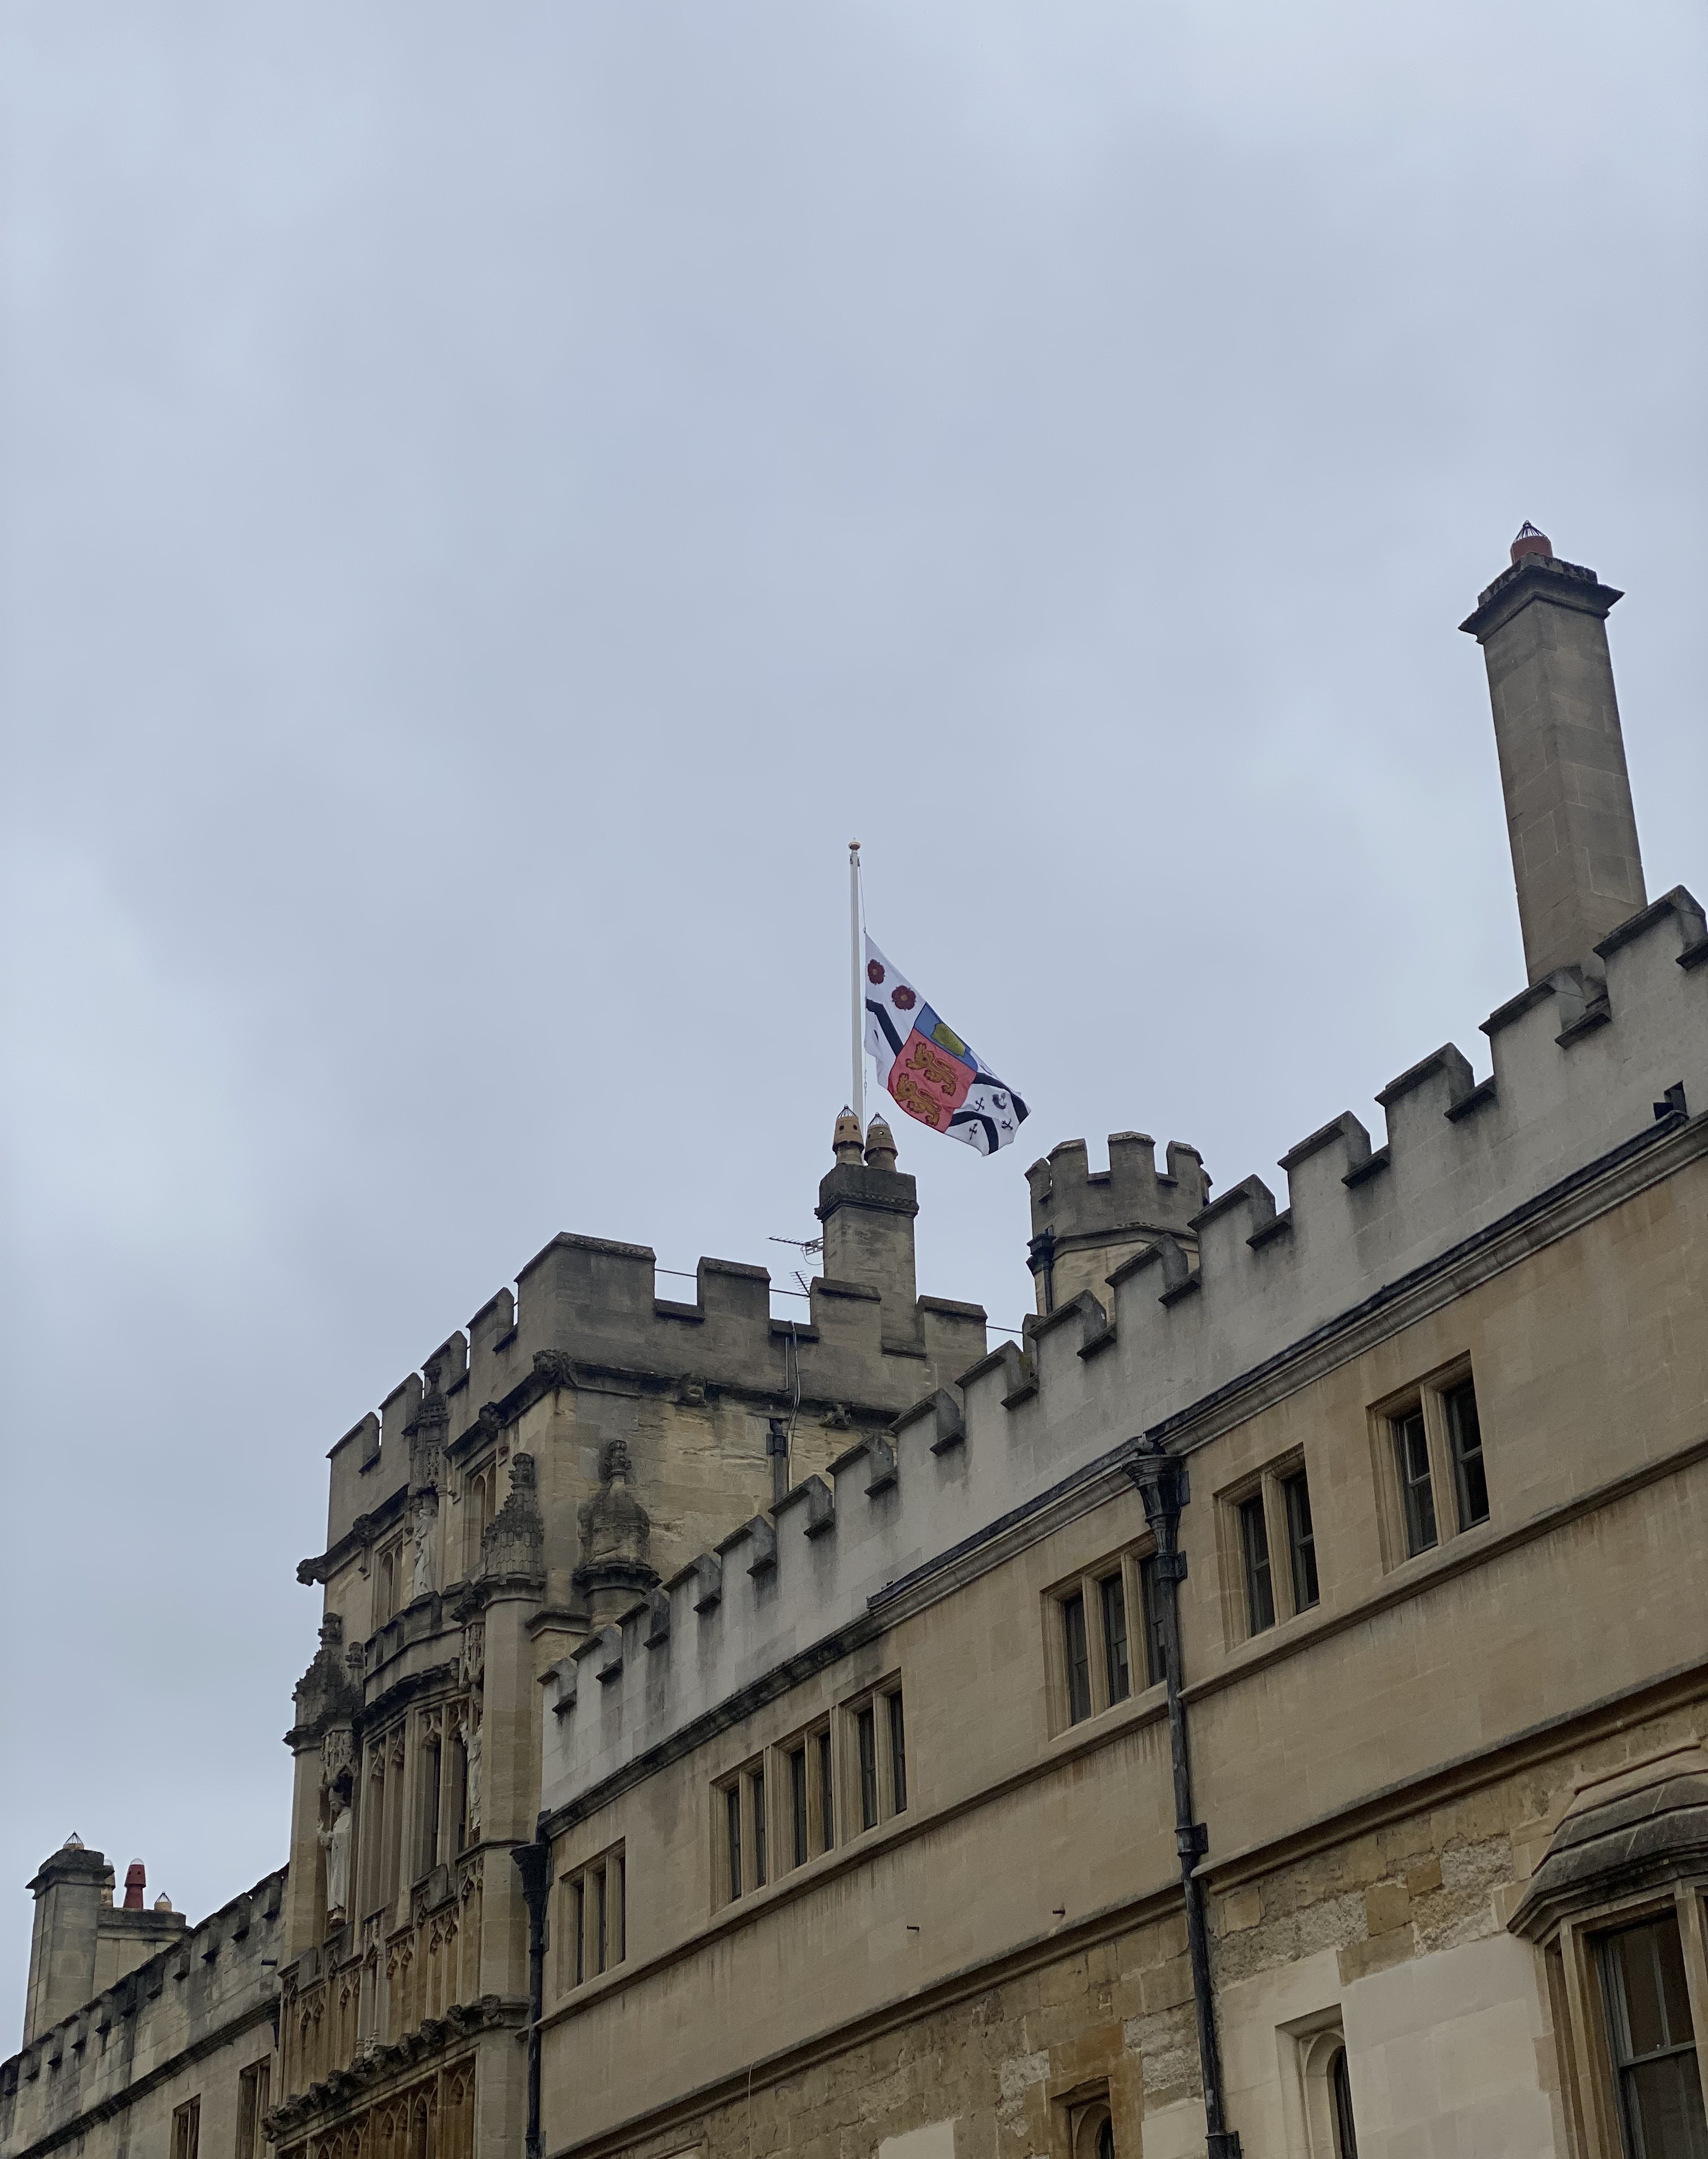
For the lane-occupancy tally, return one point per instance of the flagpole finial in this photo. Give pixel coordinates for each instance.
(853, 846)
(846, 1143)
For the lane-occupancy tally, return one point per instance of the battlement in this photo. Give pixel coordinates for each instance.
(210, 1983)
(1585, 1090)
(588, 1305)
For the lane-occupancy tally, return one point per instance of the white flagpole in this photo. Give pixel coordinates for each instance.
(857, 1098)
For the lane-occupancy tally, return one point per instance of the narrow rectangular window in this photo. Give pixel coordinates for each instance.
(601, 1920)
(1113, 1591)
(619, 1924)
(1416, 1492)
(431, 1762)
(1151, 1596)
(827, 1796)
(732, 1836)
(1259, 1584)
(1078, 1651)
(1302, 1541)
(1652, 2042)
(898, 1755)
(578, 1920)
(252, 2088)
(1465, 1436)
(865, 1732)
(186, 2129)
(797, 1804)
(757, 1782)
(459, 1793)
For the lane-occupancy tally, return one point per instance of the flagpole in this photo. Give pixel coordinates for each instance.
(857, 1100)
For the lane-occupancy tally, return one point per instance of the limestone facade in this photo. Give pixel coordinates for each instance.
(1263, 1709)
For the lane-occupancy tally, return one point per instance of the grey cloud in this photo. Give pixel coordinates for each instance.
(497, 496)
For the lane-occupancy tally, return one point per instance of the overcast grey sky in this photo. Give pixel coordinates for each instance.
(496, 495)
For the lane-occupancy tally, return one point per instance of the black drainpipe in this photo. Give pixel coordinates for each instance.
(1041, 1258)
(534, 1863)
(1162, 1486)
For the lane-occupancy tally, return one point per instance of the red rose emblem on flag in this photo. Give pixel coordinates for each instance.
(902, 998)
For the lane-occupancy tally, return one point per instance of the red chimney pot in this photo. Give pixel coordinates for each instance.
(136, 1881)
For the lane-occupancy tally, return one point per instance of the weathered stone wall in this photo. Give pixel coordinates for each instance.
(1006, 2063)
(1401, 1930)
(1508, 1639)
(104, 2081)
(1395, 1938)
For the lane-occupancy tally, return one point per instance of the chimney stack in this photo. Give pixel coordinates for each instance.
(136, 1881)
(63, 1941)
(1542, 625)
(867, 1206)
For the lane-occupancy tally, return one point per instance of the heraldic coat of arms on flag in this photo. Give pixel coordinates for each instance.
(928, 1069)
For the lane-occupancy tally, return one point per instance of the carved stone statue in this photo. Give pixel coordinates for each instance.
(421, 1535)
(335, 1842)
(472, 1745)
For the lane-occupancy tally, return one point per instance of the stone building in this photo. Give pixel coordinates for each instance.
(1263, 1709)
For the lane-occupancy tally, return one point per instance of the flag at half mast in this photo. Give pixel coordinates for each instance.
(928, 1069)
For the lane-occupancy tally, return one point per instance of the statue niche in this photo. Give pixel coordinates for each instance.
(616, 1539)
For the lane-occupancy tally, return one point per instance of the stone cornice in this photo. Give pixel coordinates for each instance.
(360, 1533)
(1538, 578)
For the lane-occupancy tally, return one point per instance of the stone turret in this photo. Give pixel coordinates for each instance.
(1542, 625)
(1086, 1222)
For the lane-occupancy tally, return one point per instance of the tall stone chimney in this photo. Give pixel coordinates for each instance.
(1542, 625)
(65, 1939)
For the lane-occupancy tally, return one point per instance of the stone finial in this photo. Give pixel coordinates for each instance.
(136, 1881)
(880, 1146)
(846, 1143)
(1530, 540)
(326, 1693)
(615, 1535)
(513, 1546)
(427, 1432)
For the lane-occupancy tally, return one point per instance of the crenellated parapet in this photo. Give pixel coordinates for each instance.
(207, 1984)
(587, 1307)
(1590, 1094)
